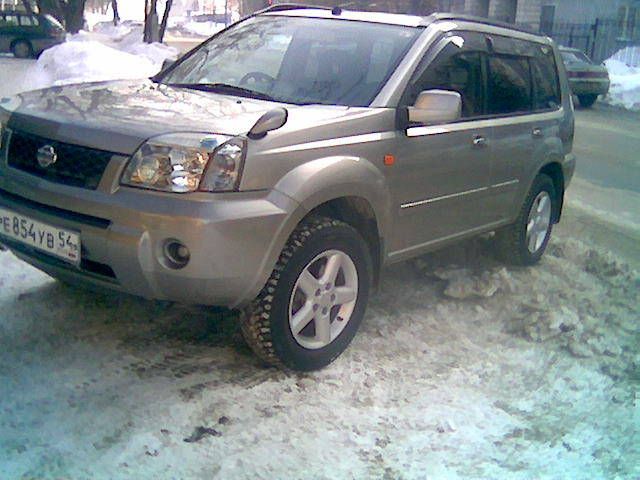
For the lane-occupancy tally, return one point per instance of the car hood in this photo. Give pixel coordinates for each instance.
(119, 116)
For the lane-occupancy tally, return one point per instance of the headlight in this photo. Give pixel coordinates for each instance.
(187, 162)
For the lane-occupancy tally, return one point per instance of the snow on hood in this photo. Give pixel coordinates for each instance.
(118, 116)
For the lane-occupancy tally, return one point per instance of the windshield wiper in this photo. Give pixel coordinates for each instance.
(225, 88)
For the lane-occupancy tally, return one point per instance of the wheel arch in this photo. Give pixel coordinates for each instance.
(350, 189)
(553, 170)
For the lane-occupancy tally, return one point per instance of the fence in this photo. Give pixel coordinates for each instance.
(600, 40)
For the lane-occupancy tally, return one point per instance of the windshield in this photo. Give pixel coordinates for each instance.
(575, 57)
(298, 60)
(54, 22)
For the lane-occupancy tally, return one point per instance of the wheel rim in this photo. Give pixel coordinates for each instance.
(538, 221)
(323, 299)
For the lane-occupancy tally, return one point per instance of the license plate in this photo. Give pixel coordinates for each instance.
(59, 242)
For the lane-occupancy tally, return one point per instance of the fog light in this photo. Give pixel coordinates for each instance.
(176, 254)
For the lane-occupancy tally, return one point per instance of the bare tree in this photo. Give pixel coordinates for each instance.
(116, 15)
(165, 19)
(69, 12)
(153, 29)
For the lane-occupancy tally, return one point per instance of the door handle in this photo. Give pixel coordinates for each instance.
(537, 132)
(479, 141)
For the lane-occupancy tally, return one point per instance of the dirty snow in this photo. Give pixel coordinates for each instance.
(464, 368)
(624, 71)
(113, 53)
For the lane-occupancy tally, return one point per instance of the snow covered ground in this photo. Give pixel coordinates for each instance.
(463, 368)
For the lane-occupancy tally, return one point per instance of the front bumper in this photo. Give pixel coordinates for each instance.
(231, 236)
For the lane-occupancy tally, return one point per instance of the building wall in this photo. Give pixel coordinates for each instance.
(524, 12)
(586, 11)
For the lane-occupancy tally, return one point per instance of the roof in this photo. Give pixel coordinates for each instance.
(294, 10)
(299, 10)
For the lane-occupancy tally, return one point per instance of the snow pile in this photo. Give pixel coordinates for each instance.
(113, 53)
(589, 313)
(624, 71)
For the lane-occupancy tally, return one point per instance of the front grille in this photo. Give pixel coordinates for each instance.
(75, 165)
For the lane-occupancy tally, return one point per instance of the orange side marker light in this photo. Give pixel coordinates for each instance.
(389, 160)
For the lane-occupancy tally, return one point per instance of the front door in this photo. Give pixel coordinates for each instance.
(442, 175)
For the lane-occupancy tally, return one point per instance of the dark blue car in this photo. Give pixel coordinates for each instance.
(27, 35)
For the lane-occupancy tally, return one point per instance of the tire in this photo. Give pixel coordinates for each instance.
(587, 101)
(266, 324)
(513, 244)
(22, 49)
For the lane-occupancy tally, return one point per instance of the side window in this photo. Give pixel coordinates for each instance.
(545, 80)
(28, 21)
(8, 20)
(457, 68)
(508, 85)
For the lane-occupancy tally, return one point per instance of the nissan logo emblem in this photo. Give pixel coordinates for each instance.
(47, 156)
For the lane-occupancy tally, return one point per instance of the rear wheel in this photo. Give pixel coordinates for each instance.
(524, 242)
(587, 101)
(314, 301)
(22, 49)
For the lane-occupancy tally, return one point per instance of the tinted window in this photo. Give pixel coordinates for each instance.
(508, 85)
(545, 80)
(457, 68)
(574, 57)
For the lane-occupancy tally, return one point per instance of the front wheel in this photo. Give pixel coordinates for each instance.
(314, 301)
(524, 242)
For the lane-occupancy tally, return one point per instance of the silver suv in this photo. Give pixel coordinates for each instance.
(276, 168)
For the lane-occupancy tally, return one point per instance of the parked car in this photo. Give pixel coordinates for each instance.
(26, 35)
(586, 78)
(279, 166)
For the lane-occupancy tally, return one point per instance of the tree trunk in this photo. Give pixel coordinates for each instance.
(116, 15)
(74, 15)
(150, 21)
(165, 19)
(27, 6)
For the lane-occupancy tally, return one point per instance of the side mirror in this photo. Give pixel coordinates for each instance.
(168, 62)
(436, 106)
(272, 120)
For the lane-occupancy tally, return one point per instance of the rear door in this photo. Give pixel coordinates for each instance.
(441, 177)
(523, 100)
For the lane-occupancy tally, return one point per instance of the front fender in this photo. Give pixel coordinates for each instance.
(314, 183)
(318, 181)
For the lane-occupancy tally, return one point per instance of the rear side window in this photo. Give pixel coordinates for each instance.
(545, 80)
(509, 85)
(8, 20)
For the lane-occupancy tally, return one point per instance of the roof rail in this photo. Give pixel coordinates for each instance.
(485, 21)
(282, 7)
